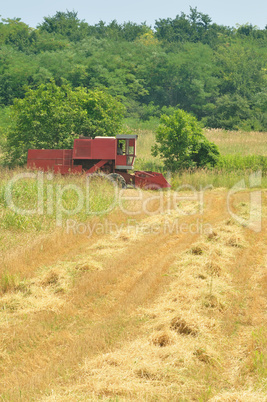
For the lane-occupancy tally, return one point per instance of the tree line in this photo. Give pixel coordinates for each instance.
(215, 72)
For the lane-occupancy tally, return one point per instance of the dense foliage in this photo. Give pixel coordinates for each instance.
(181, 143)
(217, 73)
(52, 116)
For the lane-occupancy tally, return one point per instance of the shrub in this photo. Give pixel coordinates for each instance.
(181, 143)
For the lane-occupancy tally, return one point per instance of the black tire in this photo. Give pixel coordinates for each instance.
(118, 179)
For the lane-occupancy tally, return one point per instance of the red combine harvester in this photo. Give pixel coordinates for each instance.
(113, 156)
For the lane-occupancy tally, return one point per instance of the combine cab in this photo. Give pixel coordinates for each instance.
(113, 156)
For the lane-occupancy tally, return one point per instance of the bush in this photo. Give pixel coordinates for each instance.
(181, 143)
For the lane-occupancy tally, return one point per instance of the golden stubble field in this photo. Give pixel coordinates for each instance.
(170, 305)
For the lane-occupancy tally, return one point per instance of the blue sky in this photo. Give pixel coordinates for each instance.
(227, 12)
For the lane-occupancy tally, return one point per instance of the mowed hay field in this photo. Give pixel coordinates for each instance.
(161, 297)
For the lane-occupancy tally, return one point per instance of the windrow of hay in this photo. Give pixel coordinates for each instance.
(48, 289)
(141, 314)
(185, 350)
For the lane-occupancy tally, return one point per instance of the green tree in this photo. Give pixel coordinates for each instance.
(216, 73)
(194, 27)
(17, 34)
(240, 68)
(18, 70)
(52, 116)
(229, 112)
(128, 31)
(181, 143)
(66, 24)
(183, 77)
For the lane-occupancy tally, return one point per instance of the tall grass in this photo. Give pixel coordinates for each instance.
(145, 160)
(59, 198)
(246, 162)
(239, 142)
(200, 178)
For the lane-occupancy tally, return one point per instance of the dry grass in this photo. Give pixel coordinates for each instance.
(143, 316)
(185, 350)
(144, 160)
(239, 142)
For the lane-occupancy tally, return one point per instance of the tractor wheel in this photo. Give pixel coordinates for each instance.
(118, 179)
